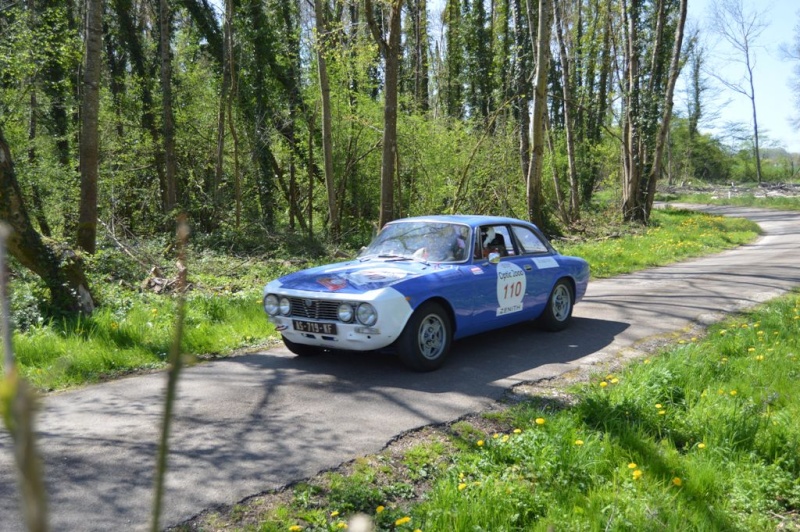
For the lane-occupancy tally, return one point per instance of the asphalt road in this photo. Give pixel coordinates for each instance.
(253, 423)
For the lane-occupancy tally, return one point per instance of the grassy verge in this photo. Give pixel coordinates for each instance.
(673, 235)
(703, 436)
(131, 331)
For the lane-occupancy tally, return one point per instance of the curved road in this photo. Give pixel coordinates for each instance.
(258, 422)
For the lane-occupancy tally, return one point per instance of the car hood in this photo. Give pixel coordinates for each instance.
(357, 277)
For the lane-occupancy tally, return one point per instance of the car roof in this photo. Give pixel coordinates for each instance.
(472, 220)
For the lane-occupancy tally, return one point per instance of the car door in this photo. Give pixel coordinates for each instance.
(503, 279)
(540, 266)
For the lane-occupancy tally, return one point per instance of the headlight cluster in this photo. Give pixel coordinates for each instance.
(346, 312)
(274, 305)
(363, 312)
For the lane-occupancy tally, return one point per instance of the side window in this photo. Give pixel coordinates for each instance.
(494, 239)
(529, 241)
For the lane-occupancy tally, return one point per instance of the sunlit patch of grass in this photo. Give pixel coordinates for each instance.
(673, 235)
(87, 349)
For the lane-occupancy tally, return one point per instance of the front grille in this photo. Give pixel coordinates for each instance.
(314, 309)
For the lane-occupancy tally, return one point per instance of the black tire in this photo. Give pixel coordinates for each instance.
(302, 350)
(558, 312)
(426, 339)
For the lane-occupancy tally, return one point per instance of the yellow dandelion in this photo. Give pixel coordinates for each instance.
(295, 528)
(760, 358)
(677, 481)
(609, 377)
(334, 514)
(701, 445)
(662, 412)
(380, 509)
(402, 521)
(341, 525)
(632, 465)
(540, 421)
(462, 486)
(751, 349)
(578, 442)
(637, 474)
(658, 405)
(505, 438)
(603, 384)
(614, 380)
(517, 431)
(646, 360)
(723, 332)
(480, 443)
(154, 311)
(733, 392)
(495, 435)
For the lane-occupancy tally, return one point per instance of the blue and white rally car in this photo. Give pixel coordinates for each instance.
(424, 282)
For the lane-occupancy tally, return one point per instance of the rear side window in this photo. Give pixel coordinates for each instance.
(528, 240)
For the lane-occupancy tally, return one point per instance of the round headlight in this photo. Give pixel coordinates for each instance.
(285, 306)
(367, 314)
(345, 312)
(271, 304)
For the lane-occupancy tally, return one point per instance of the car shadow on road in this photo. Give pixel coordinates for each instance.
(477, 365)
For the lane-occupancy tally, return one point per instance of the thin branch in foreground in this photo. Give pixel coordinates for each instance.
(17, 408)
(175, 363)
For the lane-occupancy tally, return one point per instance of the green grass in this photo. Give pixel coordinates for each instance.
(672, 235)
(702, 436)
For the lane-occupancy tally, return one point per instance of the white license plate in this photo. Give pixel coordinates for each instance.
(314, 327)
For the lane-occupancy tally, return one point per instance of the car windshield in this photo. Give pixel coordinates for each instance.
(423, 241)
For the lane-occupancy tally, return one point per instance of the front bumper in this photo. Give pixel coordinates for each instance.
(393, 312)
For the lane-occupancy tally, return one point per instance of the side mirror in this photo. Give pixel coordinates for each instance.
(494, 257)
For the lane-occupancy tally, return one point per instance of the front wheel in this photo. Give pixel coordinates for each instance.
(558, 312)
(425, 342)
(301, 350)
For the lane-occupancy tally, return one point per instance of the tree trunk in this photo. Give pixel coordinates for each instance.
(534, 178)
(59, 267)
(390, 50)
(169, 194)
(327, 129)
(90, 108)
(632, 208)
(569, 119)
(661, 140)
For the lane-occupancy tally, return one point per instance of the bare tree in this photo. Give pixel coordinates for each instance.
(741, 29)
(542, 44)
(792, 53)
